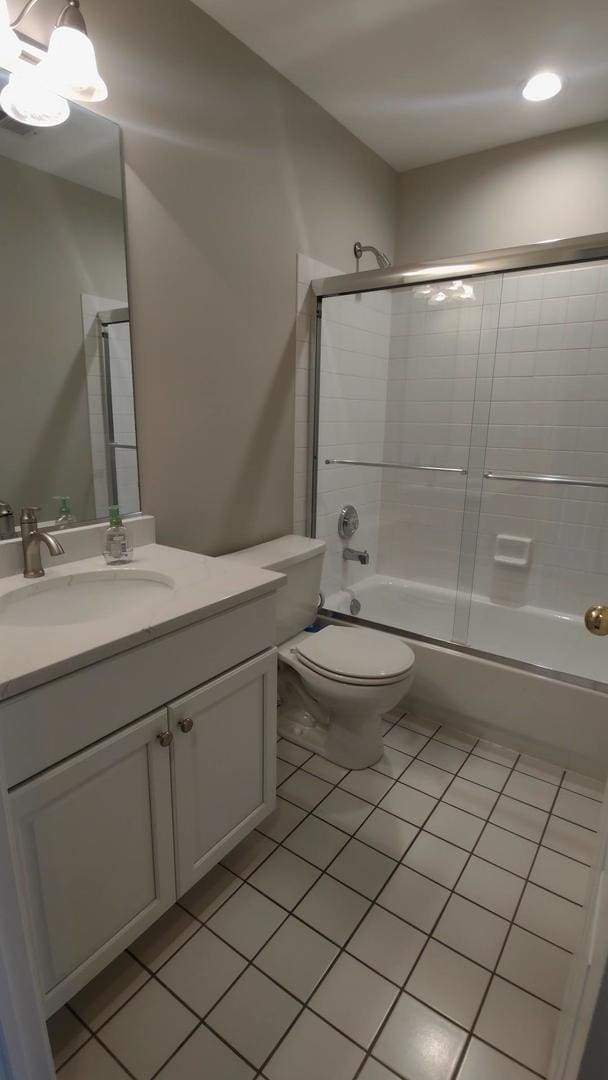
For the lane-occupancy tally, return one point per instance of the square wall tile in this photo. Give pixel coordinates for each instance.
(201, 971)
(520, 1025)
(314, 1049)
(253, 1016)
(354, 999)
(418, 1043)
(147, 1030)
(448, 982)
(297, 958)
(387, 944)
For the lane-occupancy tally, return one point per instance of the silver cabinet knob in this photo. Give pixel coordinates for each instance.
(165, 738)
(186, 724)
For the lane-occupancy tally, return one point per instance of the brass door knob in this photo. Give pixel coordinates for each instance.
(186, 724)
(596, 620)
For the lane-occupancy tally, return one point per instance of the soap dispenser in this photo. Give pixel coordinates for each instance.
(65, 517)
(116, 547)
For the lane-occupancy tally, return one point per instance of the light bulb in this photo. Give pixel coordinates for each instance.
(26, 99)
(10, 46)
(543, 86)
(70, 67)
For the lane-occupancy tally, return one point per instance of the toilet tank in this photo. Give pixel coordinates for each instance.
(301, 560)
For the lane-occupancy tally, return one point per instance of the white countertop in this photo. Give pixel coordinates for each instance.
(203, 586)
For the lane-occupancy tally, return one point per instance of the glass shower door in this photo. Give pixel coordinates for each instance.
(119, 411)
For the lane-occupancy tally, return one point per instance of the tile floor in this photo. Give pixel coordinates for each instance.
(414, 920)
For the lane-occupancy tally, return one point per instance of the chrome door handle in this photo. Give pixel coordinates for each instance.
(596, 620)
(186, 724)
(165, 738)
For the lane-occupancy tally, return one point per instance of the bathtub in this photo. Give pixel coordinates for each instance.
(531, 707)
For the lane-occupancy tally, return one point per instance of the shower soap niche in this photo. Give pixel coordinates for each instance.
(513, 550)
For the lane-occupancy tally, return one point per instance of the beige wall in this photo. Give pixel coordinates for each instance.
(230, 172)
(59, 239)
(518, 194)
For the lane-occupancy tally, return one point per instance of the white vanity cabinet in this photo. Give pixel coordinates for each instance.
(108, 835)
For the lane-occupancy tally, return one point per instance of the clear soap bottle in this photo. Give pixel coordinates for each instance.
(116, 547)
(65, 517)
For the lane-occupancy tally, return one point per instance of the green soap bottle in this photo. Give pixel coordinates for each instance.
(116, 546)
(65, 517)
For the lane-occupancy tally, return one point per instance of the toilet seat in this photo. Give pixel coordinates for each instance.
(356, 656)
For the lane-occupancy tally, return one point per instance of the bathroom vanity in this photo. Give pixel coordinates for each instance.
(136, 750)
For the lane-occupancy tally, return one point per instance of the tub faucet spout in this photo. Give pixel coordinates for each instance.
(352, 555)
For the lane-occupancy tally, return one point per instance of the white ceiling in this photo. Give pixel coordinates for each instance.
(424, 80)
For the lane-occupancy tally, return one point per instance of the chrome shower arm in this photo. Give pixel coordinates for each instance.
(381, 258)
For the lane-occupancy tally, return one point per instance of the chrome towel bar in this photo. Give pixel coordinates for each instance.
(540, 478)
(395, 465)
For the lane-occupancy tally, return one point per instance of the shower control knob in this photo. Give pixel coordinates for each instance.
(186, 724)
(596, 620)
(165, 738)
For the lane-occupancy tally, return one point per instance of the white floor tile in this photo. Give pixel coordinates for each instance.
(491, 886)
(354, 999)
(419, 724)
(560, 875)
(550, 916)
(284, 769)
(109, 991)
(519, 818)
(414, 898)
(387, 944)
(405, 740)
(247, 856)
(373, 1070)
(164, 937)
(455, 825)
(535, 965)
(253, 1016)
(542, 770)
(530, 790)
(584, 785)
(427, 778)
(332, 909)
(418, 1043)
(201, 971)
(520, 1025)
(444, 757)
(570, 839)
(367, 784)
(454, 737)
(247, 920)
(502, 755)
(344, 810)
(314, 1049)
(204, 898)
(387, 833)
(282, 821)
(578, 808)
(504, 848)
(409, 804)
(316, 841)
(297, 957)
(449, 983)
(437, 859)
(304, 789)
(471, 797)
(288, 751)
(284, 877)
(471, 930)
(482, 1062)
(204, 1050)
(66, 1035)
(487, 773)
(148, 1030)
(325, 769)
(393, 762)
(92, 1063)
(362, 868)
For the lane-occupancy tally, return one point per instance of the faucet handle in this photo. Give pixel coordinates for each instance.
(28, 515)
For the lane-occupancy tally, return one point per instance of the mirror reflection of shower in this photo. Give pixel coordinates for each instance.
(381, 258)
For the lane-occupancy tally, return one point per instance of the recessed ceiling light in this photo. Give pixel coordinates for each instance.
(542, 86)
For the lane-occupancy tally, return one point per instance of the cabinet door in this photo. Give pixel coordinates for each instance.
(95, 854)
(224, 764)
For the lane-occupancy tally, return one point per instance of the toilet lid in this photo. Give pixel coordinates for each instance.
(356, 653)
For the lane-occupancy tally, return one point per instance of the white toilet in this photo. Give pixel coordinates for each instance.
(335, 684)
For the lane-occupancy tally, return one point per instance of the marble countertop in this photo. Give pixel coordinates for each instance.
(201, 587)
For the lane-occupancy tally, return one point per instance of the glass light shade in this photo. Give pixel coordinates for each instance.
(543, 86)
(70, 67)
(26, 99)
(10, 46)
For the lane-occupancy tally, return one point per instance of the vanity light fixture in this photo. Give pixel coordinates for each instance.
(41, 81)
(541, 87)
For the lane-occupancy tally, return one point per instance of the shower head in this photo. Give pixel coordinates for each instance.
(383, 260)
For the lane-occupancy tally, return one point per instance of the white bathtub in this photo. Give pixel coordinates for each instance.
(549, 639)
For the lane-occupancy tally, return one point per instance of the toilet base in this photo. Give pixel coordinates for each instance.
(329, 740)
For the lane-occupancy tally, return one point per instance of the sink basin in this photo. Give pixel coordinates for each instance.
(84, 598)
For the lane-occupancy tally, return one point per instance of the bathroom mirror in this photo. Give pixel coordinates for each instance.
(66, 384)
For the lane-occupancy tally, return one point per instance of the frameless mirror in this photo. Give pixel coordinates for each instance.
(68, 426)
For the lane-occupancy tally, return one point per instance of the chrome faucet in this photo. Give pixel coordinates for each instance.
(352, 555)
(31, 539)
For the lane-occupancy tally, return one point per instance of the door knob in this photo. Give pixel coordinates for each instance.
(165, 738)
(596, 620)
(186, 724)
